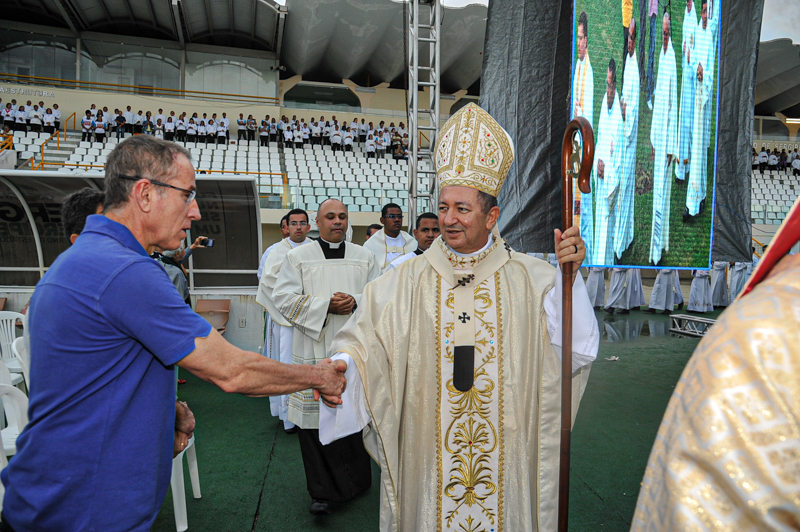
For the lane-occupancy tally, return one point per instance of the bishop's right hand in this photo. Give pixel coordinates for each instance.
(331, 382)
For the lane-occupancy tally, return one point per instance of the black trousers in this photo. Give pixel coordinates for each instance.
(242, 134)
(338, 471)
(265, 140)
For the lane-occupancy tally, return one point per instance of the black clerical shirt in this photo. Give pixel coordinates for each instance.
(330, 252)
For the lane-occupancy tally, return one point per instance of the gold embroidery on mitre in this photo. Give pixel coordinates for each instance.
(473, 150)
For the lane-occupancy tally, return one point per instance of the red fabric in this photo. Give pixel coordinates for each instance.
(788, 234)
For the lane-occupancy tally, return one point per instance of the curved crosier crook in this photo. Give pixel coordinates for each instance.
(574, 159)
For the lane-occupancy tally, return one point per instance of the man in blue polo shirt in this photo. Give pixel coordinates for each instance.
(106, 327)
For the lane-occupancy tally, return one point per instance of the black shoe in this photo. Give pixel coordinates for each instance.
(650, 310)
(636, 308)
(292, 430)
(686, 215)
(610, 310)
(702, 206)
(598, 307)
(319, 507)
(624, 311)
(680, 306)
(666, 312)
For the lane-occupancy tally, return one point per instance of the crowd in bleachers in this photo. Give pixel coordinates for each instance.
(773, 160)
(30, 117)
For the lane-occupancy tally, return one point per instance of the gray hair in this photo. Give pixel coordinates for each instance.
(141, 156)
(171, 253)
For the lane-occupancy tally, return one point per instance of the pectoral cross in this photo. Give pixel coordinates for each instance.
(463, 318)
(464, 281)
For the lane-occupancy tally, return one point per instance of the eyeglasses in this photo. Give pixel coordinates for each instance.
(394, 216)
(298, 224)
(189, 199)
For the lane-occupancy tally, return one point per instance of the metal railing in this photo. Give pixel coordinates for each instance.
(139, 89)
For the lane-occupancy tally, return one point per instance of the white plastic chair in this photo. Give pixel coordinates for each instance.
(177, 485)
(8, 323)
(15, 405)
(22, 357)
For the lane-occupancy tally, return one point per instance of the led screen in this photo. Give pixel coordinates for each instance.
(644, 74)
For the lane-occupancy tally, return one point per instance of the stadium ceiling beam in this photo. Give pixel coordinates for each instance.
(105, 10)
(782, 101)
(176, 16)
(253, 16)
(280, 24)
(66, 17)
(771, 87)
(230, 14)
(208, 16)
(152, 12)
(129, 9)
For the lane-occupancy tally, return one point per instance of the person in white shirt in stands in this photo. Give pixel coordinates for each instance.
(796, 166)
(762, 159)
(49, 121)
(129, 122)
(169, 129)
(87, 127)
(191, 131)
(222, 133)
(773, 161)
(263, 133)
(297, 136)
(353, 126)
(326, 133)
(336, 138)
(137, 123)
(387, 141)
(35, 117)
(348, 139)
(180, 128)
(203, 120)
(160, 116)
(316, 133)
(158, 129)
(8, 116)
(241, 127)
(362, 132)
(21, 119)
(202, 133)
(92, 110)
(371, 131)
(306, 133)
(380, 150)
(227, 122)
(370, 144)
(57, 117)
(99, 128)
(252, 125)
(402, 129)
(273, 131)
(211, 132)
(287, 137)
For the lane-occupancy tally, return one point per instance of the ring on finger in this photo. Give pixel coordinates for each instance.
(576, 249)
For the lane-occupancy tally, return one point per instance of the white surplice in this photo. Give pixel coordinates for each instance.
(278, 341)
(304, 286)
(609, 149)
(386, 248)
(700, 294)
(719, 284)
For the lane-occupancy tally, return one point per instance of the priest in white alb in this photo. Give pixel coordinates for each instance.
(703, 69)
(663, 296)
(596, 286)
(317, 289)
(663, 139)
(583, 105)
(686, 116)
(454, 360)
(608, 157)
(390, 242)
(278, 340)
(700, 293)
(629, 107)
(719, 284)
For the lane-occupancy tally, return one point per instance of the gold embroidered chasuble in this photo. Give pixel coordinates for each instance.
(481, 460)
(305, 284)
(727, 454)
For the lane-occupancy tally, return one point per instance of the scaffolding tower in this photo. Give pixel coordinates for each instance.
(424, 20)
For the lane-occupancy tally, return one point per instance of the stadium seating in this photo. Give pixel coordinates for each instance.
(772, 195)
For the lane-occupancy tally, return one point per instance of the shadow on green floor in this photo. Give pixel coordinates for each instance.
(251, 473)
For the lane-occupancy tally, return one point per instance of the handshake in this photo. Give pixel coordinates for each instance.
(331, 382)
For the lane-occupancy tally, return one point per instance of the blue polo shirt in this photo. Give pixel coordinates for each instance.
(106, 326)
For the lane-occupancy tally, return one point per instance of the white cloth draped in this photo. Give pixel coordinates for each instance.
(618, 289)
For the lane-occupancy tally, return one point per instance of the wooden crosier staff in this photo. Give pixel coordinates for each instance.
(574, 160)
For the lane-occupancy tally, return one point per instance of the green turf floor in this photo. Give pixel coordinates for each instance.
(251, 473)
